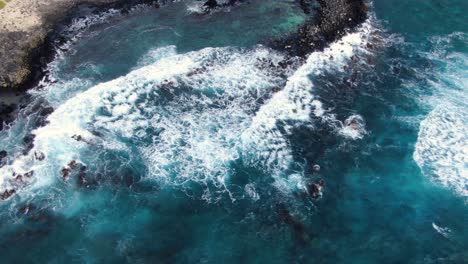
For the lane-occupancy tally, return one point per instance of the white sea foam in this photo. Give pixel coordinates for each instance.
(195, 105)
(196, 7)
(442, 147)
(199, 140)
(155, 55)
(76, 116)
(251, 192)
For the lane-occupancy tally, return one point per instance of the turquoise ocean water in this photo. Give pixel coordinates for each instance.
(198, 144)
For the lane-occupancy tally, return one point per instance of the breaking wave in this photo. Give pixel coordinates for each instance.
(442, 147)
(189, 117)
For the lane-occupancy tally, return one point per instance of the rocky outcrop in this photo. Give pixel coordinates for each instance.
(25, 30)
(331, 20)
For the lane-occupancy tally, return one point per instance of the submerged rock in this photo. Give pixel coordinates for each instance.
(306, 6)
(73, 164)
(316, 168)
(40, 156)
(28, 143)
(7, 194)
(44, 112)
(315, 189)
(287, 218)
(3, 154)
(25, 209)
(65, 173)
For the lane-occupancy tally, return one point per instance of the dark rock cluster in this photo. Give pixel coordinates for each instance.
(210, 4)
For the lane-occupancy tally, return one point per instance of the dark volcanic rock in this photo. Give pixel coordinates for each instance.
(331, 22)
(210, 4)
(6, 114)
(3, 155)
(44, 112)
(306, 5)
(28, 143)
(7, 194)
(286, 217)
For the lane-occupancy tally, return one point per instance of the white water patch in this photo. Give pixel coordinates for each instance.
(155, 55)
(199, 133)
(196, 7)
(442, 148)
(75, 116)
(444, 231)
(450, 84)
(251, 192)
(184, 114)
(265, 143)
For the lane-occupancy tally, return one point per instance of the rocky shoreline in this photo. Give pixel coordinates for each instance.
(26, 45)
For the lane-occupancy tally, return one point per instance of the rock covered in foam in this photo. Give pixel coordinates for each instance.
(353, 127)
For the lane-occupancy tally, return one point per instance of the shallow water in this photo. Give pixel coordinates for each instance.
(199, 143)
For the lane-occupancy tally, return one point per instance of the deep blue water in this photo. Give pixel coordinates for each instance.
(198, 146)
